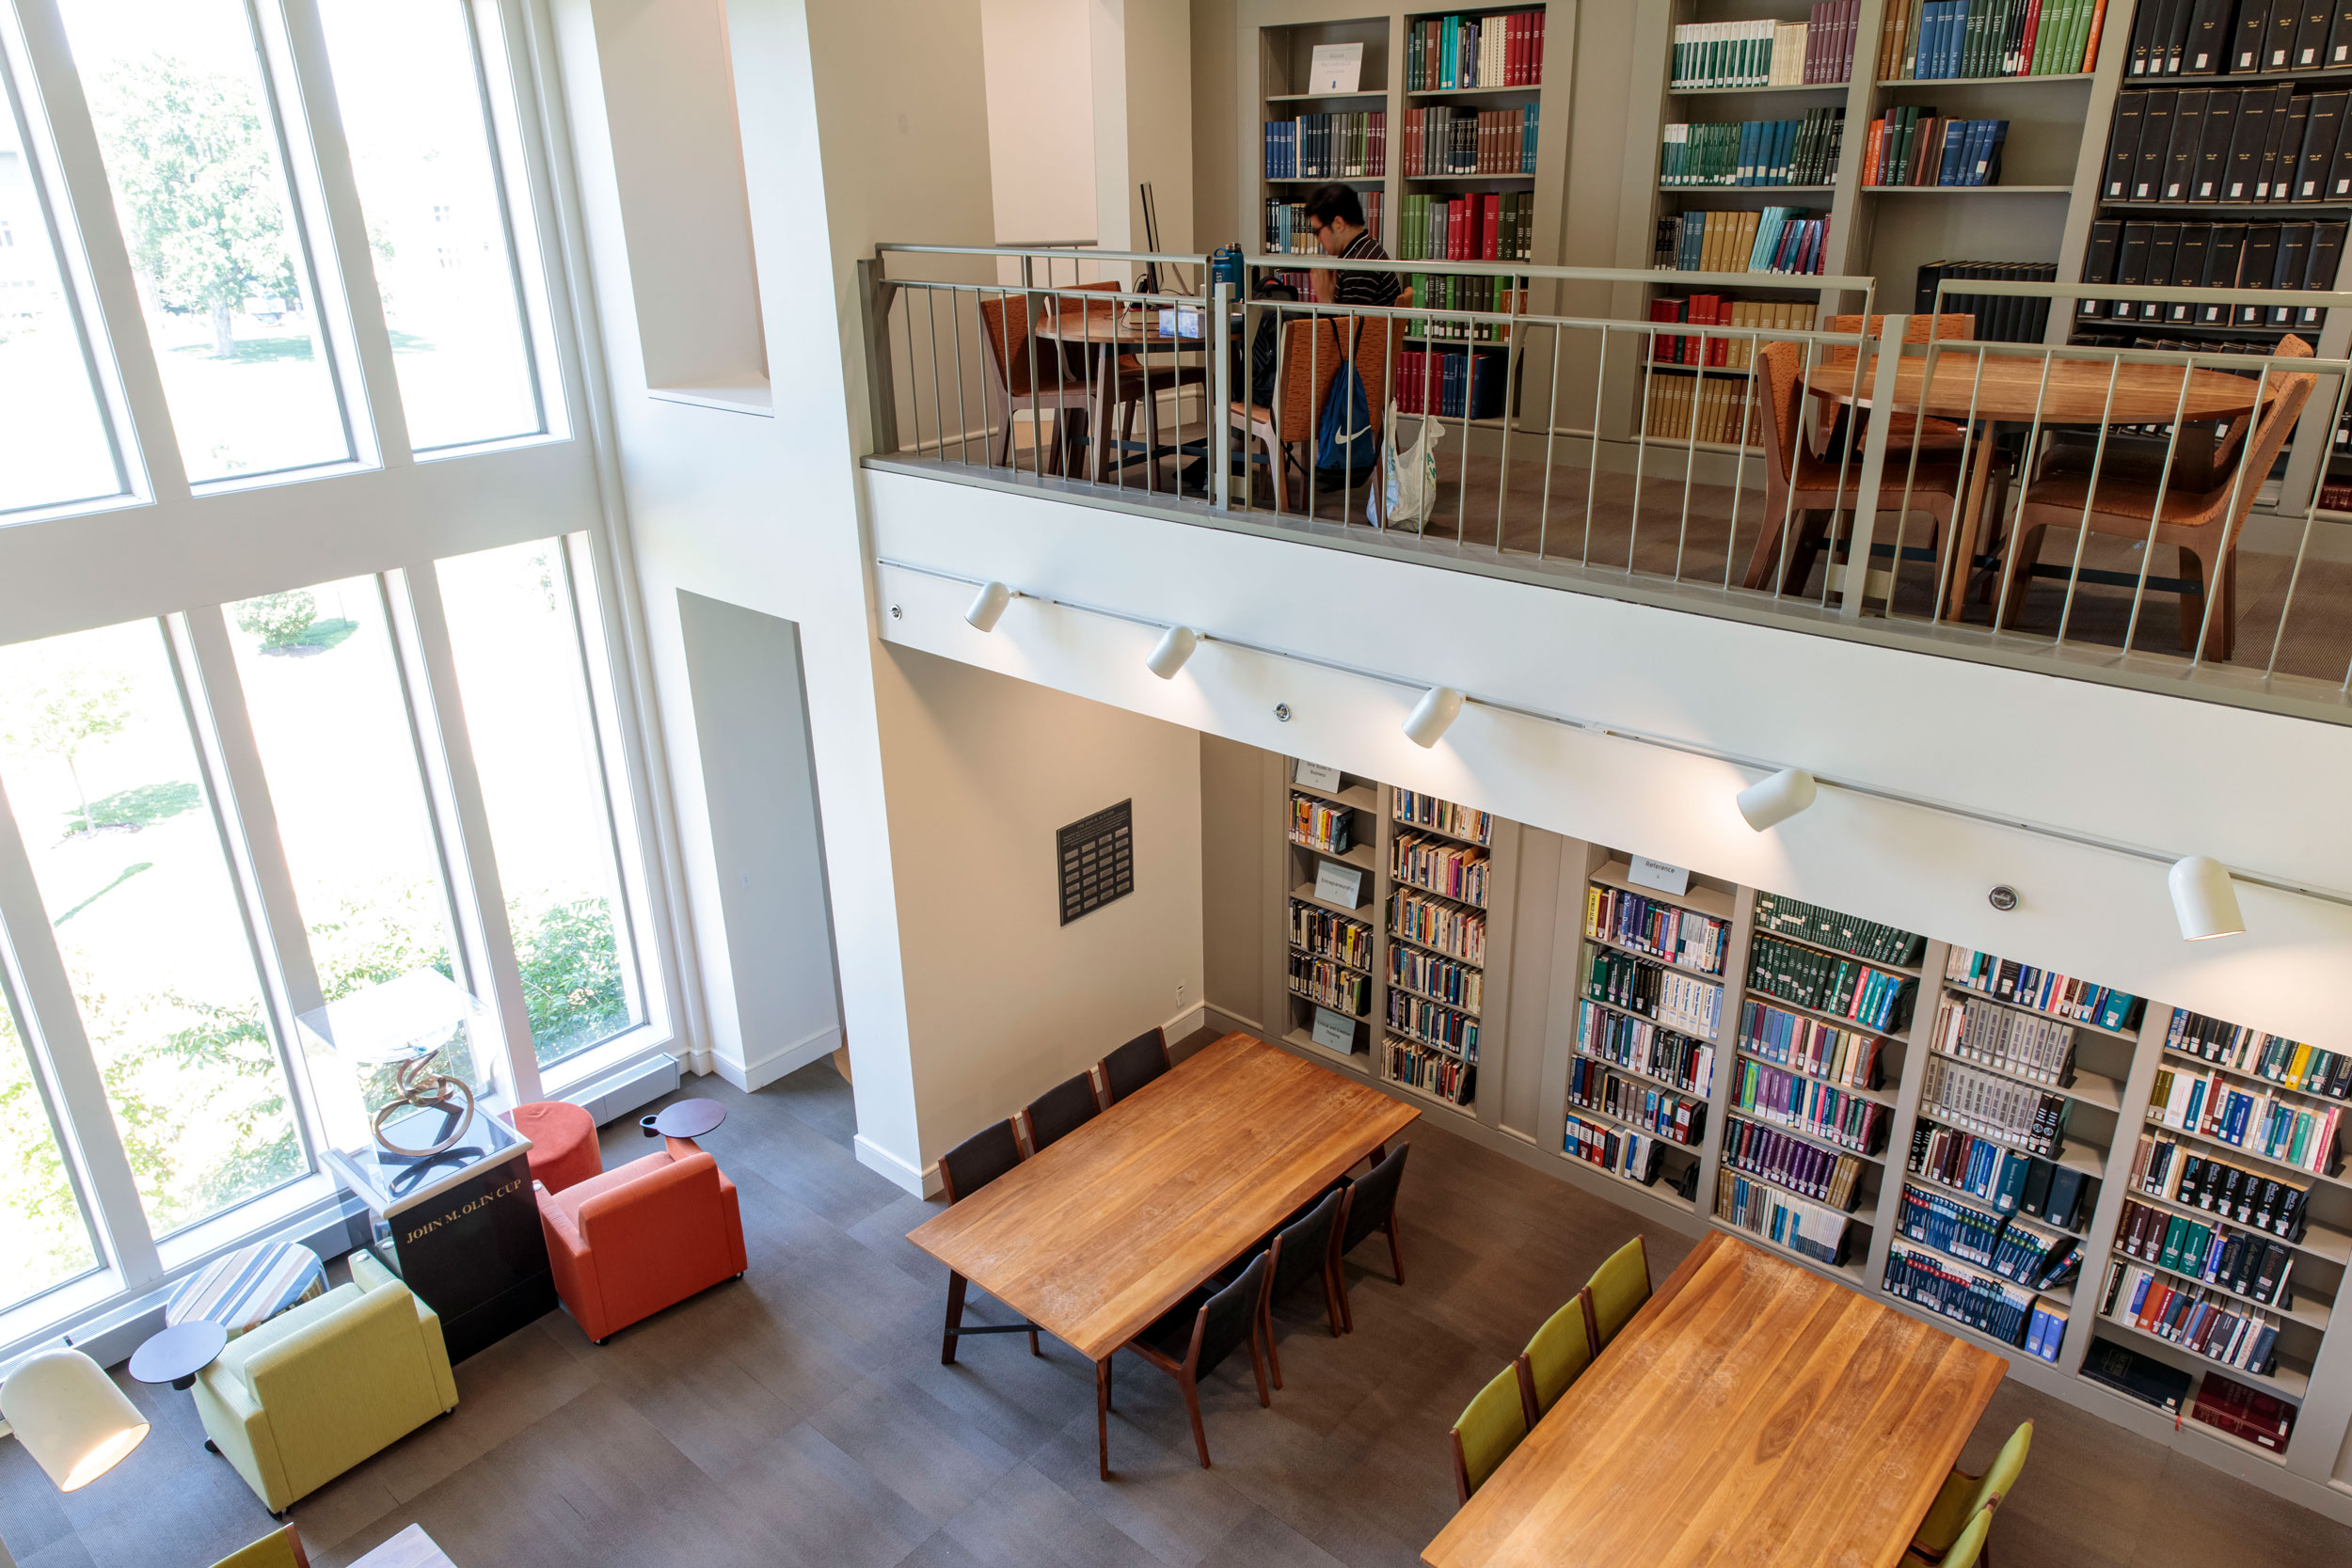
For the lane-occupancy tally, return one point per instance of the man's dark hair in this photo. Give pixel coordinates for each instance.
(1335, 204)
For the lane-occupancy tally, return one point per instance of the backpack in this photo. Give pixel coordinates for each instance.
(1347, 441)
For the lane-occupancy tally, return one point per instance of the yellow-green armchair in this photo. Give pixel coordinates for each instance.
(314, 1391)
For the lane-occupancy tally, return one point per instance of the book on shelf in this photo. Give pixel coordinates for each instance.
(1810, 1229)
(2043, 990)
(1463, 293)
(1913, 144)
(1820, 1174)
(1617, 1149)
(1319, 824)
(1455, 821)
(2262, 1420)
(1456, 984)
(1348, 146)
(1446, 140)
(1331, 984)
(2194, 1317)
(1433, 922)
(1478, 225)
(2274, 1058)
(2045, 1332)
(1992, 1103)
(1432, 1024)
(1762, 52)
(2287, 256)
(1789, 240)
(2020, 1044)
(1999, 318)
(2017, 1249)
(2249, 145)
(1826, 983)
(1444, 53)
(2206, 37)
(1439, 1072)
(2155, 1383)
(1802, 151)
(1441, 867)
(1287, 234)
(1652, 926)
(2213, 1105)
(1777, 914)
(1329, 934)
(1676, 1117)
(1815, 1109)
(2010, 1181)
(1677, 1000)
(1680, 1059)
(2246, 1262)
(1455, 382)
(1810, 1045)
(2180, 1173)
(1979, 1299)
(1928, 41)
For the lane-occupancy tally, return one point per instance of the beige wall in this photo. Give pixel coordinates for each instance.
(1215, 157)
(1040, 117)
(1143, 113)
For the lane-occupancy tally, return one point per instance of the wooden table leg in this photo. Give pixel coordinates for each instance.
(1103, 1413)
(1968, 533)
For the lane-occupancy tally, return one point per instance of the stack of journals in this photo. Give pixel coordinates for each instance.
(1446, 140)
(2179, 1174)
(2242, 1261)
(2199, 37)
(1328, 147)
(1993, 1103)
(1651, 926)
(1832, 1179)
(1331, 984)
(1812, 1047)
(1449, 53)
(1936, 40)
(1441, 867)
(1319, 825)
(1753, 151)
(1804, 1228)
(1631, 1155)
(1631, 1042)
(1439, 1072)
(2020, 1044)
(2011, 1182)
(2262, 1420)
(1950, 1226)
(1454, 821)
(1768, 54)
(1458, 384)
(1977, 1298)
(2213, 1106)
(1677, 1119)
(1435, 923)
(1286, 231)
(1776, 914)
(2000, 318)
(2136, 1376)
(1847, 988)
(1321, 931)
(1815, 1109)
(1483, 226)
(2031, 1255)
(2240, 145)
(1915, 145)
(1739, 354)
(1470, 292)
(1447, 980)
(2284, 256)
(1675, 408)
(1431, 1024)
(2194, 1317)
(2274, 1058)
(2043, 990)
(1638, 985)
(1774, 239)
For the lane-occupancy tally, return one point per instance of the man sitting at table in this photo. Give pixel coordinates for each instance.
(1335, 215)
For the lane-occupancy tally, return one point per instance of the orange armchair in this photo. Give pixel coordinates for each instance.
(626, 1244)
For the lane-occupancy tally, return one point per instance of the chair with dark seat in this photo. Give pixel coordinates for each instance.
(2142, 458)
(1061, 1111)
(1616, 1292)
(1133, 1065)
(1200, 1331)
(1300, 1249)
(1368, 1203)
(962, 1171)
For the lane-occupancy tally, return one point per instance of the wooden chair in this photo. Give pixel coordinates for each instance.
(1368, 1204)
(1133, 1065)
(2203, 526)
(1967, 1552)
(279, 1549)
(1196, 1334)
(962, 1171)
(1060, 1110)
(1964, 1497)
(1301, 1248)
(1556, 1355)
(1025, 375)
(1616, 1292)
(1313, 354)
(2142, 460)
(1807, 489)
(1484, 1435)
(1906, 430)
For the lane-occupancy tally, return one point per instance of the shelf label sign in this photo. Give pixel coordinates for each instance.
(1335, 1031)
(1339, 884)
(1315, 775)
(1657, 874)
(1336, 68)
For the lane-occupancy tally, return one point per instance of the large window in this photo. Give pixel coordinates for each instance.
(423, 152)
(43, 1235)
(191, 146)
(521, 647)
(116, 816)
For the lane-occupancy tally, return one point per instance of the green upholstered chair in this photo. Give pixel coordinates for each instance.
(1967, 1552)
(1489, 1428)
(1964, 1496)
(280, 1548)
(1556, 1356)
(314, 1391)
(1616, 1291)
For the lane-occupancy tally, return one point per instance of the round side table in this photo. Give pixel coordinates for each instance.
(177, 1353)
(684, 1118)
(248, 1287)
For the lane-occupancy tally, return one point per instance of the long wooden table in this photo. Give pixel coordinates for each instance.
(1109, 1227)
(1754, 1411)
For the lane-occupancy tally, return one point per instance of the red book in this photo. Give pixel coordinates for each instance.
(1664, 350)
(1536, 73)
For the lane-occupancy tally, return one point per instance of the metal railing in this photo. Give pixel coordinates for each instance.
(1612, 453)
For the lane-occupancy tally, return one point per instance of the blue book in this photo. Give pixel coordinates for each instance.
(1743, 168)
(1948, 172)
(1786, 166)
(1955, 38)
(1988, 168)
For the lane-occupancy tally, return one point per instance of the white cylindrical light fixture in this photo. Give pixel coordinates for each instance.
(1768, 802)
(70, 1417)
(987, 606)
(2204, 900)
(1175, 646)
(1433, 714)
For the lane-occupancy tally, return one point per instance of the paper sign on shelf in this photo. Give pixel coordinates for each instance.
(1335, 1031)
(1315, 775)
(1336, 68)
(1657, 874)
(1339, 884)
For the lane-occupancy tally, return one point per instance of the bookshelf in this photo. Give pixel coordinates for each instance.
(1331, 834)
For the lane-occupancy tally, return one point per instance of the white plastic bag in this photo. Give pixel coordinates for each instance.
(1408, 491)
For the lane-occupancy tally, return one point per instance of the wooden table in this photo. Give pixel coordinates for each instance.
(1104, 331)
(410, 1548)
(2010, 389)
(1114, 1223)
(1754, 1411)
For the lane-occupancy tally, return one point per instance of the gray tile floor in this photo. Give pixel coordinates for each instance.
(803, 1417)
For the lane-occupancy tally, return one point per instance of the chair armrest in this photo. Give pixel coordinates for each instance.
(369, 1273)
(240, 1429)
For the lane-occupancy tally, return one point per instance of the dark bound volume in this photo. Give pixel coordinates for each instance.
(2178, 15)
(2188, 129)
(2289, 142)
(2255, 106)
(2340, 168)
(2310, 34)
(2320, 129)
(2280, 50)
(2257, 267)
(2144, 35)
(2123, 144)
(2107, 237)
(2212, 149)
(2131, 267)
(2339, 36)
(2245, 43)
(2136, 1376)
(2206, 53)
(2162, 247)
(2188, 267)
(2156, 140)
(2294, 250)
(2221, 264)
(2320, 273)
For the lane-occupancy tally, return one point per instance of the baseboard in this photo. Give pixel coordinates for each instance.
(922, 1183)
(1226, 1022)
(1187, 1022)
(765, 1070)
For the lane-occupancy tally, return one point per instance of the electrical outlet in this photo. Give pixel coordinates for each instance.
(1179, 993)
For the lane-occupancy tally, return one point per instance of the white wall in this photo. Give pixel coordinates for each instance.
(1041, 118)
(1142, 54)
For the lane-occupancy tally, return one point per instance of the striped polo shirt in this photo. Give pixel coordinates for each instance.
(1366, 288)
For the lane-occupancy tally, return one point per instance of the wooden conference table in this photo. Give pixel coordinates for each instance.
(2010, 390)
(1115, 1222)
(1754, 1411)
(1104, 331)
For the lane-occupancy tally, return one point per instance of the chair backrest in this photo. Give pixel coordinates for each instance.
(2001, 1479)
(340, 1355)
(2225, 450)
(1017, 362)
(1304, 1246)
(2271, 429)
(1969, 1548)
(279, 1549)
(1061, 1111)
(1314, 351)
(1490, 1426)
(1617, 1289)
(1227, 1318)
(1556, 1356)
(1372, 1199)
(1949, 327)
(1135, 1064)
(980, 1159)
(1779, 369)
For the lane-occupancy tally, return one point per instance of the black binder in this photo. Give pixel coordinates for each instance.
(2246, 42)
(2144, 35)
(2213, 150)
(2289, 143)
(2294, 250)
(2310, 34)
(2163, 246)
(2123, 144)
(2131, 268)
(2319, 271)
(2156, 140)
(2255, 106)
(2320, 131)
(2284, 17)
(2257, 266)
(2339, 36)
(2188, 268)
(2206, 51)
(2180, 159)
(2221, 268)
(2106, 236)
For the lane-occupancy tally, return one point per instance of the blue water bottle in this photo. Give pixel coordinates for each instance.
(1225, 267)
